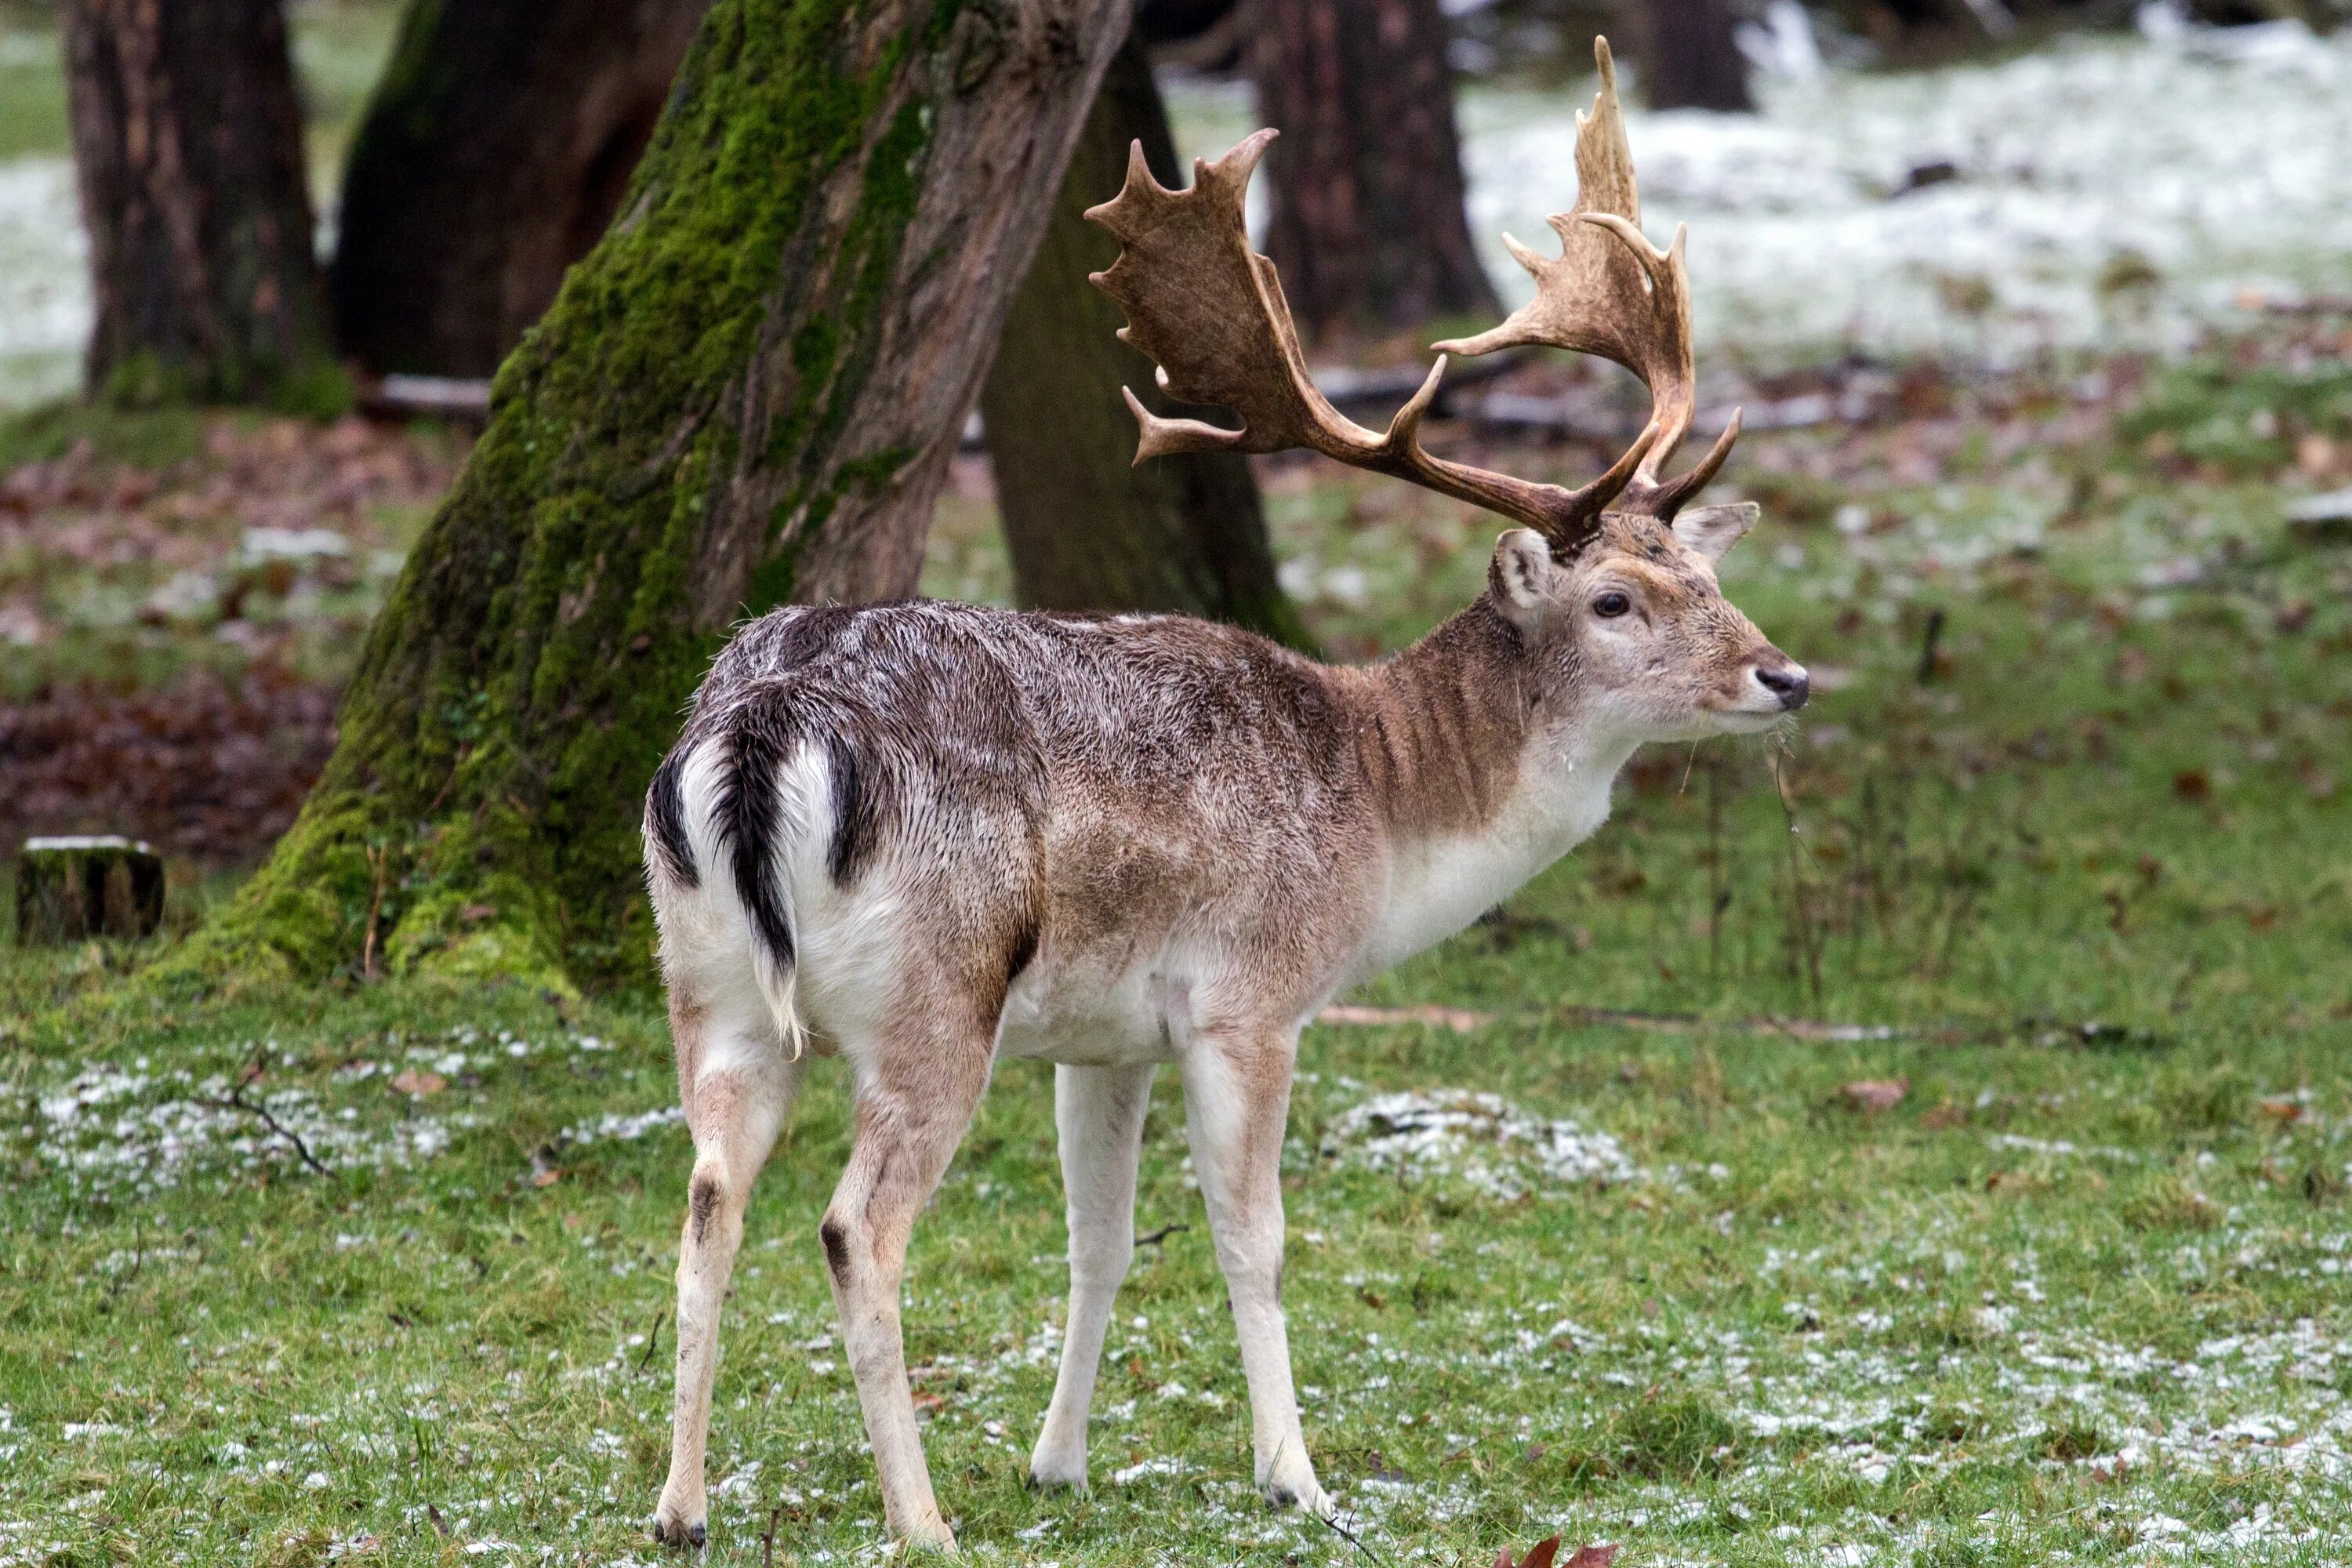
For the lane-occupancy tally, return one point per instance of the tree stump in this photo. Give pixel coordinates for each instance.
(70, 889)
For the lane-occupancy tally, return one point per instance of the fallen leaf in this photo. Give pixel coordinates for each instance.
(2192, 784)
(411, 1081)
(928, 1405)
(1877, 1093)
(2280, 1111)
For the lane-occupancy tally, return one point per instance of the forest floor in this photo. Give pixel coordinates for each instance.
(1918, 1138)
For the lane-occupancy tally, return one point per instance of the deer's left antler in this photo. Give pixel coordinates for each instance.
(1210, 311)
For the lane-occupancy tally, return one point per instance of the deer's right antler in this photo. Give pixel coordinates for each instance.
(1210, 311)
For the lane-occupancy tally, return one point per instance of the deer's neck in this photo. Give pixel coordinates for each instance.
(1482, 785)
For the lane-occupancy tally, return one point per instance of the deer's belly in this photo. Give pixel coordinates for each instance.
(1085, 1013)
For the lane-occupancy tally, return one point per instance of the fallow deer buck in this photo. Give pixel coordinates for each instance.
(924, 837)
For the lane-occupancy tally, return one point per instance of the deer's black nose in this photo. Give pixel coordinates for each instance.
(1789, 683)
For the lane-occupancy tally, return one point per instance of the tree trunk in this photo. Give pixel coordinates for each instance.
(1688, 59)
(188, 142)
(1368, 228)
(747, 394)
(1087, 528)
(492, 156)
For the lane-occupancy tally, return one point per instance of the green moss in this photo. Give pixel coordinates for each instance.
(531, 666)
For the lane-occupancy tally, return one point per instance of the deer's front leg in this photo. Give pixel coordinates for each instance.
(1236, 1100)
(1100, 1111)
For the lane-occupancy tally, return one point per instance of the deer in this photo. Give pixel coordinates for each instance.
(925, 837)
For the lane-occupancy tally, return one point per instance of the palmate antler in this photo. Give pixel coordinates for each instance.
(1210, 311)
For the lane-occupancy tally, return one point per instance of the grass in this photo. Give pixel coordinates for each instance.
(2077, 1297)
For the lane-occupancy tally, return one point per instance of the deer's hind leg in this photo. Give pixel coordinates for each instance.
(918, 1082)
(737, 1083)
(1099, 1111)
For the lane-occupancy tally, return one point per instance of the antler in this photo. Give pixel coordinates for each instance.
(1614, 294)
(1210, 311)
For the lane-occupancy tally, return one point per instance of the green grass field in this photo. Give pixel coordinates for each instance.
(2084, 891)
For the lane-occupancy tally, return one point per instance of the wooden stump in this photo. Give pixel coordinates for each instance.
(70, 889)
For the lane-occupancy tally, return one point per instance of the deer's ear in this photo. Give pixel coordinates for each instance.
(1712, 530)
(1520, 577)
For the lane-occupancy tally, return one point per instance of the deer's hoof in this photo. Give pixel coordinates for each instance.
(674, 1530)
(1056, 1472)
(1301, 1492)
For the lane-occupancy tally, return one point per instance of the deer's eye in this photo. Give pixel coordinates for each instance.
(1611, 604)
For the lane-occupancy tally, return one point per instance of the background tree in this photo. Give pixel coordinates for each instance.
(1688, 59)
(1367, 225)
(491, 157)
(1087, 529)
(188, 145)
(747, 394)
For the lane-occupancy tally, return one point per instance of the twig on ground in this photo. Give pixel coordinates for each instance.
(1461, 1020)
(1162, 1234)
(653, 1338)
(236, 1101)
(1344, 1533)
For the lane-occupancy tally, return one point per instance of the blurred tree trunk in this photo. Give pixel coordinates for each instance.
(188, 144)
(1689, 57)
(746, 394)
(1367, 225)
(492, 155)
(1087, 529)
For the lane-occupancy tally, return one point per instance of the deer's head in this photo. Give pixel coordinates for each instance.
(1611, 585)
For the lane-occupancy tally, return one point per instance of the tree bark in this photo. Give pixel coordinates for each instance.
(1368, 228)
(188, 144)
(747, 394)
(492, 155)
(1087, 529)
(1688, 59)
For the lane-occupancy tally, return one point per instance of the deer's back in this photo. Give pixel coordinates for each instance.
(1125, 818)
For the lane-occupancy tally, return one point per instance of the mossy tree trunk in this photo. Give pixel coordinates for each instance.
(1087, 529)
(491, 157)
(188, 146)
(747, 394)
(1366, 222)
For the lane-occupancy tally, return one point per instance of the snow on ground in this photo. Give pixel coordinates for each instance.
(1480, 1139)
(2102, 191)
(44, 281)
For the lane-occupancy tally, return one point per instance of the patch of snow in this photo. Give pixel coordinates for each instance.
(1480, 1139)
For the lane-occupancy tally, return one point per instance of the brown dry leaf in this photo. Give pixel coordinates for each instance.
(412, 1081)
(1877, 1093)
(546, 1178)
(2192, 784)
(2280, 1111)
(1541, 1555)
